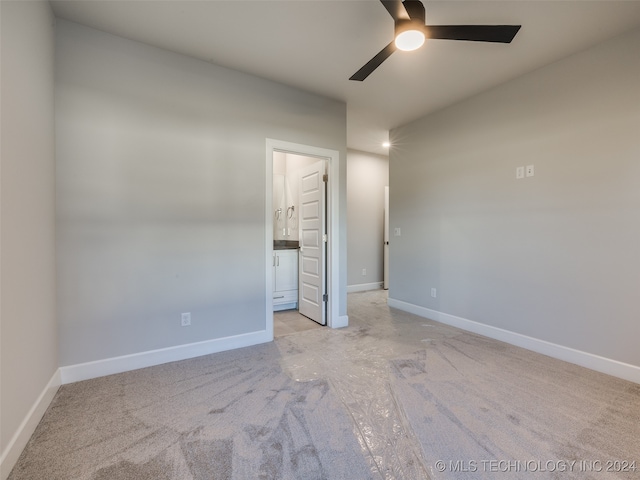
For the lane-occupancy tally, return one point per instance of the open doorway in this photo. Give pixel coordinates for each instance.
(301, 226)
(299, 236)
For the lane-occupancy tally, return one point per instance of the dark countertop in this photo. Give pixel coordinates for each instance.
(285, 244)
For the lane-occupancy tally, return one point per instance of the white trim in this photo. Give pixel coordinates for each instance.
(268, 239)
(334, 320)
(363, 287)
(343, 321)
(609, 366)
(28, 426)
(125, 363)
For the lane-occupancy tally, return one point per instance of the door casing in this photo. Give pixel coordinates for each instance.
(333, 229)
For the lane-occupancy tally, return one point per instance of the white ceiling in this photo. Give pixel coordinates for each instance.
(316, 45)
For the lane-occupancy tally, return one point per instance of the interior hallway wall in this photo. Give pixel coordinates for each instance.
(29, 346)
(161, 193)
(554, 256)
(367, 175)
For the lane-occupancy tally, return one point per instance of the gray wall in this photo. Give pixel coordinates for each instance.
(367, 175)
(556, 256)
(161, 193)
(28, 352)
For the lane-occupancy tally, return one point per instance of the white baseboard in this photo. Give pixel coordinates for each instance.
(363, 287)
(341, 322)
(19, 440)
(125, 363)
(584, 359)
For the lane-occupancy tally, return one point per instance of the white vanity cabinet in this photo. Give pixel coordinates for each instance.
(285, 279)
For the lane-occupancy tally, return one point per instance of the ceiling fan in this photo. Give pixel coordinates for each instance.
(410, 33)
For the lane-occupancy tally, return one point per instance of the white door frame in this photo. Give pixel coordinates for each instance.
(333, 230)
(385, 245)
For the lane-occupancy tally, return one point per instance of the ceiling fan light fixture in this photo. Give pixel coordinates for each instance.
(409, 34)
(410, 40)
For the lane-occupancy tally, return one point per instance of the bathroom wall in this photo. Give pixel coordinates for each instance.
(285, 194)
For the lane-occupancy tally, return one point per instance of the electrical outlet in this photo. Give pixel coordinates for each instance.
(397, 232)
(529, 170)
(364, 271)
(433, 292)
(185, 319)
(519, 173)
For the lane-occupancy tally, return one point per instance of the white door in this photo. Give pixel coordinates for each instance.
(311, 278)
(385, 264)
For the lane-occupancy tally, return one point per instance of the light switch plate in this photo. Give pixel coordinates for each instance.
(519, 173)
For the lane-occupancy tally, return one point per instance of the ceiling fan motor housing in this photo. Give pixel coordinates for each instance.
(404, 25)
(415, 10)
(417, 17)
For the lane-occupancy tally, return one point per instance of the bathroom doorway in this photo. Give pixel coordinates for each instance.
(299, 234)
(300, 202)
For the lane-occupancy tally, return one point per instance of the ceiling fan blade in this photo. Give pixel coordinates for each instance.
(396, 9)
(473, 33)
(374, 63)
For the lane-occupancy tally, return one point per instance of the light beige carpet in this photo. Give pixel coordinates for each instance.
(230, 415)
(393, 396)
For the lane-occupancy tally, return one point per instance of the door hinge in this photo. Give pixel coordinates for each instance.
(325, 297)
(325, 178)
(324, 238)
